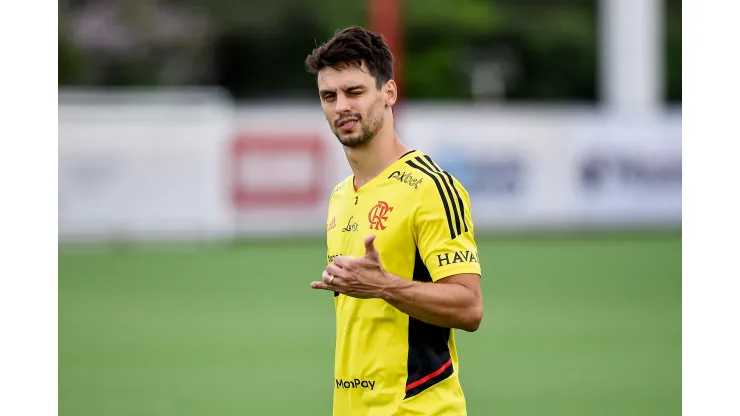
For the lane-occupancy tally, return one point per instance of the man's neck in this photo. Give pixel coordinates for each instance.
(369, 161)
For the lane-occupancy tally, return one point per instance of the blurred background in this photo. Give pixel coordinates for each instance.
(195, 167)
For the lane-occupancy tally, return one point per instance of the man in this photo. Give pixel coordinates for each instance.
(402, 261)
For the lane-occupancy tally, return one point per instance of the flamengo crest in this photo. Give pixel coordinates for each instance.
(378, 215)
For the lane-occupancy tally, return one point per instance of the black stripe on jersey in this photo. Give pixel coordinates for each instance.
(454, 188)
(429, 360)
(406, 154)
(441, 194)
(449, 193)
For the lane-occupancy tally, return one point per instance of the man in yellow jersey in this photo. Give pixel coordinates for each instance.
(402, 260)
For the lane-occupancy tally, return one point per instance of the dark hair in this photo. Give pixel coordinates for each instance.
(352, 46)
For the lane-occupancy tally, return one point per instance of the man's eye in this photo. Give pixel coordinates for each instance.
(328, 97)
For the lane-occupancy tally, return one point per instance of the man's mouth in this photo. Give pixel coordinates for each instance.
(347, 123)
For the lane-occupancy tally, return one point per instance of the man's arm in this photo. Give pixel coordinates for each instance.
(451, 302)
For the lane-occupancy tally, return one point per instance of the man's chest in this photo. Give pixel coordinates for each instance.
(352, 217)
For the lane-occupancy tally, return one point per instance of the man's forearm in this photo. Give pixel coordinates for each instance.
(442, 304)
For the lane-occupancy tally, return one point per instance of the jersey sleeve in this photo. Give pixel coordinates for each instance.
(444, 228)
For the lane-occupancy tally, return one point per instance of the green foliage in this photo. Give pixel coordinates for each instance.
(434, 73)
(548, 50)
(71, 61)
(673, 56)
(464, 16)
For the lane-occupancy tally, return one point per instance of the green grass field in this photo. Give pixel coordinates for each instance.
(574, 325)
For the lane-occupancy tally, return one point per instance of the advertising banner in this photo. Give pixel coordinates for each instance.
(627, 172)
(284, 162)
(140, 170)
(513, 167)
(150, 169)
(533, 170)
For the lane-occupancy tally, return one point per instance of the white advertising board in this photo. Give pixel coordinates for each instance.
(627, 172)
(508, 161)
(285, 162)
(156, 167)
(139, 169)
(555, 170)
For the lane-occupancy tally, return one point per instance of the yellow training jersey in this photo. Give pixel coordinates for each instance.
(388, 363)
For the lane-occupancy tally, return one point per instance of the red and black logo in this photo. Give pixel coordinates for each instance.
(378, 215)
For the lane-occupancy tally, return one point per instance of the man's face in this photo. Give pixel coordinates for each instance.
(352, 103)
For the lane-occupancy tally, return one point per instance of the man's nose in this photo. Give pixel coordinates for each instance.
(343, 104)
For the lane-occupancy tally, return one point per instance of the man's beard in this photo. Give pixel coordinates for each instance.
(364, 136)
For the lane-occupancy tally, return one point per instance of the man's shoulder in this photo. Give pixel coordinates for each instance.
(421, 173)
(341, 186)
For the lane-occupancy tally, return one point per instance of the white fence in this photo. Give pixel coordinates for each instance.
(197, 166)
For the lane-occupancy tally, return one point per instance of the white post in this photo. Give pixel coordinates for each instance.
(631, 55)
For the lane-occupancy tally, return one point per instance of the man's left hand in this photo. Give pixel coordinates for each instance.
(359, 277)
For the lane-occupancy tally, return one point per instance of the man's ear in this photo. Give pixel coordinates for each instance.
(390, 92)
